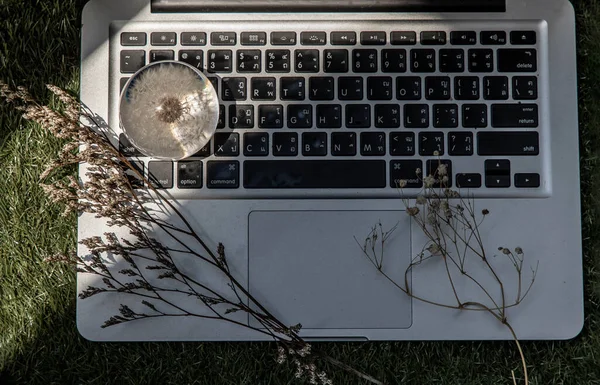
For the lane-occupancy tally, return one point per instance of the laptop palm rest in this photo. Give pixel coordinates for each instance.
(306, 267)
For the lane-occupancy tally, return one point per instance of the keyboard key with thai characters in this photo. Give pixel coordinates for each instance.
(220, 60)
(517, 60)
(277, 60)
(387, 116)
(160, 55)
(403, 38)
(433, 37)
(460, 143)
(314, 143)
(416, 115)
(408, 88)
(393, 60)
(299, 116)
(132, 61)
(313, 38)
(410, 171)
(524, 87)
(514, 115)
(215, 83)
(227, 144)
(452, 60)
(253, 38)
(292, 88)
(430, 143)
(264, 88)
(256, 144)
(270, 116)
(223, 38)
(350, 88)
(433, 166)
(343, 144)
(493, 37)
(343, 38)
(285, 144)
(160, 174)
(474, 115)
(372, 143)
(314, 174)
(205, 151)
(445, 115)
(248, 61)
(463, 38)
(437, 88)
(364, 60)
(335, 60)
(241, 116)
(189, 174)
(221, 121)
(402, 144)
(306, 60)
(507, 143)
(163, 38)
(283, 38)
(468, 180)
(321, 88)
(223, 174)
(373, 38)
(192, 57)
(422, 60)
(481, 60)
(358, 115)
(523, 37)
(193, 38)
(329, 116)
(466, 88)
(234, 89)
(495, 88)
(527, 180)
(379, 88)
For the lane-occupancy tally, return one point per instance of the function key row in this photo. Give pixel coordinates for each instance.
(336, 38)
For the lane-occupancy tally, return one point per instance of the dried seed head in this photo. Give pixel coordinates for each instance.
(485, 212)
(402, 183)
(518, 250)
(421, 200)
(412, 211)
(442, 170)
(169, 110)
(505, 251)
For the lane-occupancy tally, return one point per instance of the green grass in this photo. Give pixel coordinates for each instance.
(39, 342)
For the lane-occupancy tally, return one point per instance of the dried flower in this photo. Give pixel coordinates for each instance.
(485, 212)
(505, 251)
(412, 211)
(442, 169)
(421, 200)
(429, 181)
(518, 250)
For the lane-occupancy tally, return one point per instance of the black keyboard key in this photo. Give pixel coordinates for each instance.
(292, 88)
(277, 60)
(514, 115)
(321, 88)
(524, 87)
(132, 61)
(126, 148)
(163, 38)
(358, 115)
(204, 151)
(379, 88)
(256, 144)
(132, 176)
(470, 180)
(314, 174)
(481, 60)
(372, 143)
(437, 88)
(387, 116)
(234, 89)
(329, 116)
(299, 116)
(161, 55)
(223, 38)
(283, 38)
(433, 166)
(335, 60)
(529, 180)
(452, 60)
(422, 60)
(406, 170)
(431, 143)
(373, 38)
(313, 38)
(463, 37)
(215, 83)
(460, 143)
(133, 38)
(393, 60)
(517, 60)
(227, 143)
(497, 167)
(223, 174)
(416, 115)
(241, 116)
(445, 115)
(493, 37)
(248, 61)
(263, 88)
(160, 174)
(343, 144)
(474, 115)
(193, 58)
(306, 60)
(270, 116)
(403, 38)
(220, 61)
(193, 38)
(497, 181)
(221, 122)
(466, 88)
(523, 37)
(433, 38)
(343, 38)
(408, 88)
(402, 144)
(495, 88)
(508, 143)
(314, 143)
(122, 83)
(364, 60)
(350, 88)
(285, 144)
(189, 174)
(253, 38)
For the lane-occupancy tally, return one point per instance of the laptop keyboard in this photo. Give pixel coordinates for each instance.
(354, 112)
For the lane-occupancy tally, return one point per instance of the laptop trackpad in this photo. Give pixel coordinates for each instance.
(307, 268)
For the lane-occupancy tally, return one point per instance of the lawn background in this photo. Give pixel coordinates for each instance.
(39, 343)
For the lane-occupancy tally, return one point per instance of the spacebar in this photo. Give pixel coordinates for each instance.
(314, 174)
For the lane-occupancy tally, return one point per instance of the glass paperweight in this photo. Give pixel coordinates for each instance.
(169, 110)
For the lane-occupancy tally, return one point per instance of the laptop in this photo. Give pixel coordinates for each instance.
(324, 107)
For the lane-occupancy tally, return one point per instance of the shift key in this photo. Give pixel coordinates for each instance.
(514, 115)
(504, 143)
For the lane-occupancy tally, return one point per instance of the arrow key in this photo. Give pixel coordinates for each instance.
(497, 181)
(530, 180)
(468, 180)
